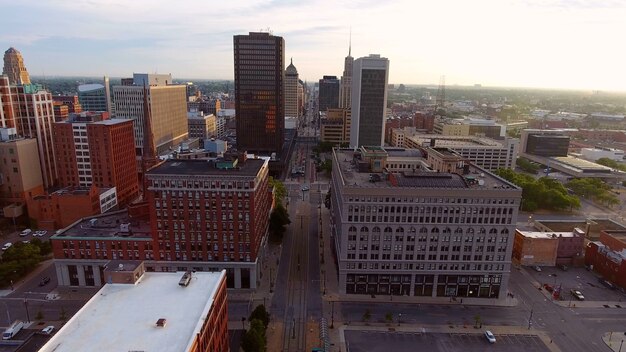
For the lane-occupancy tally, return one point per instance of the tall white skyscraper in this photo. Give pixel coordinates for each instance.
(369, 100)
(346, 81)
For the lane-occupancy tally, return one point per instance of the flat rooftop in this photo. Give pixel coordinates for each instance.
(454, 141)
(108, 226)
(122, 317)
(250, 167)
(581, 164)
(477, 178)
(549, 235)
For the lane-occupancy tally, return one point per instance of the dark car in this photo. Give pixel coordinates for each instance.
(44, 281)
(548, 288)
(607, 283)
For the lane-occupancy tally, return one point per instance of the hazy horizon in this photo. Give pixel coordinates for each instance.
(553, 44)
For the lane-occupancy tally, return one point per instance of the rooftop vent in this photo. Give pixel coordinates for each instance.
(184, 281)
(161, 322)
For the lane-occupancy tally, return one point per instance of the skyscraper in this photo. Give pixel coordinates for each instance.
(329, 93)
(168, 108)
(369, 100)
(29, 108)
(14, 67)
(291, 91)
(345, 89)
(259, 92)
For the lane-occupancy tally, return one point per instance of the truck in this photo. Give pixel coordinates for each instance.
(13, 330)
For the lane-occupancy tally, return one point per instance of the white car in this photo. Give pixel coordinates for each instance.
(579, 295)
(490, 337)
(47, 330)
(25, 232)
(7, 246)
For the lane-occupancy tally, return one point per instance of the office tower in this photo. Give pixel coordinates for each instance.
(415, 226)
(94, 150)
(21, 171)
(345, 90)
(95, 96)
(369, 101)
(29, 108)
(328, 93)
(168, 108)
(291, 91)
(335, 126)
(259, 92)
(14, 67)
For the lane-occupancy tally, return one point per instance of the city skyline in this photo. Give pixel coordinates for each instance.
(543, 44)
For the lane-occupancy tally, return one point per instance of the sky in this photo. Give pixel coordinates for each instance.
(574, 44)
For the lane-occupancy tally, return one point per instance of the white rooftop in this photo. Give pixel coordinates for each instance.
(122, 317)
(89, 87)
(551, 235)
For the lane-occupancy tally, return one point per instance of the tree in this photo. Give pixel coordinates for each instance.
(278, 220)
(527, 166)
(477, 321)
(254, 340)
(39, 315)
(327, 166)
(544, 193)
(279, 189)
(260, 313)
(367, 315)
(388, 317)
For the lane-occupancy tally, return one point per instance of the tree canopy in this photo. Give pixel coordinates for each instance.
(543, 193)
(593, 188)
(278, 220)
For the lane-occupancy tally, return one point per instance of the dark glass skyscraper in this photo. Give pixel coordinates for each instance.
(329, 93)
(259, 92)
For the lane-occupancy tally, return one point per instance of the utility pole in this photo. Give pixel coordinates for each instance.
(530, 318)
(26, 306)
(332, 314)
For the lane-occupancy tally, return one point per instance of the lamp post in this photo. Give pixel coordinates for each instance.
(26, 306)
(8, 314)
(399, 316)
(332, 314)
(530, 318)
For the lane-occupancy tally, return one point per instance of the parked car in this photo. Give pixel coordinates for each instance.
(548, 288)
(12, 330)
(489, 336)
(579, 295)
(7, 246)
(607, 283)
(537, 268)
(47, 330)
(44, 281)
(25, 232)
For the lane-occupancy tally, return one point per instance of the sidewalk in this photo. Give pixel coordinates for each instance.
(615, 340)
(18, 284)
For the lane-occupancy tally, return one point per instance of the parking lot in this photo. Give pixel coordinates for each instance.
(372, 341)
(585, 281)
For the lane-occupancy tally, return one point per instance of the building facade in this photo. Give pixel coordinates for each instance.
(14, 67)
(20, 170)
(328, 97)
(94, 150)
(62, 208)
(168, 108)
(607, 256)
(95, 96)
(369, 101)
(30, 109)
(292, 102)
(404, 229)
(485, 152)
(202, 125)
(259, 92)
(335, 126)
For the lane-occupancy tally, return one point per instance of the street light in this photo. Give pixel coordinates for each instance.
(8, 315)
(26, 306)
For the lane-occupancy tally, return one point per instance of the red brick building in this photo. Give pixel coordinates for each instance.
(63, 207)
(203, 216)
(93, 150)
(424, 121)
(608, 256)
